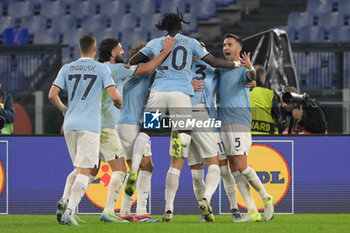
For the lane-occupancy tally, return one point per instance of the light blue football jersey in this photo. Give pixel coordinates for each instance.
(234, 97)
(134, 98)
(85, 80)
(203, 71)
(175, 74)
(110, 113)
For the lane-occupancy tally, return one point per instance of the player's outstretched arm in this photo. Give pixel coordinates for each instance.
(55, 99)
(137, 58)
(245, 61)
(154, 63)
(115, 96)
(218, 62)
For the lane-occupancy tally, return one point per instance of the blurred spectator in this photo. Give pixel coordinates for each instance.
(265, 105)
(7, 113)
(303, 115)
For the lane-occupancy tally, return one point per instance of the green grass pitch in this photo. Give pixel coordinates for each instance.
(298, 223)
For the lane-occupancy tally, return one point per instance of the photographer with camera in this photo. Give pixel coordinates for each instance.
(7, 113)
(303, 115)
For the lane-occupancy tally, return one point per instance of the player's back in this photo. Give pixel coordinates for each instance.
(85, 80)
(134, 98)
(234, 96)
(175, 74)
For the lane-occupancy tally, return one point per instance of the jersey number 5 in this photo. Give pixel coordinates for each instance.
(77, 78)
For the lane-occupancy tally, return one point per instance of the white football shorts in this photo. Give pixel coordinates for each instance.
(237, 139)
(110, 145)
(83, 147)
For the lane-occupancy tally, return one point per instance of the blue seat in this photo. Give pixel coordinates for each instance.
(20, 9)
(225, 2)
(204, 10)
(155, 33)
(6, 22)
(46, 36)
(63, 23)
(53, 8)
(320, 78)
(193, 26)
(113, 8)
(82, 8)
(339, 33)
(34, 23)
(13, 36)
(142, 7)
(319, 6)
(312, 34)
(95, 23)
(72, 37)
(344, 6)
(102, 34)
(130, 36)
(129, 21)
(329, 20)
(172, 5)
(300, 19)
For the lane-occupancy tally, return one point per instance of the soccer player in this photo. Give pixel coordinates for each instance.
(235, 115)
(110, 53)
(205, 83)
(128, 126)
(85, 80)
(171, 91)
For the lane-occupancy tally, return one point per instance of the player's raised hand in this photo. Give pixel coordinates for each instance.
(250, 84)
(198, 85)
(168, 44)
(245, 60)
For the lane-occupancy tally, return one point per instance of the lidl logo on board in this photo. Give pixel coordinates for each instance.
(98, 190)
(2, 177)
(273, 171)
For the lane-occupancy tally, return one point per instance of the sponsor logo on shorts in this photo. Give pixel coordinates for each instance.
(97, 191)
(273, 171)
(2, 177)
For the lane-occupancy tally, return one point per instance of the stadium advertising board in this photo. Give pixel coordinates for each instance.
(304, 174)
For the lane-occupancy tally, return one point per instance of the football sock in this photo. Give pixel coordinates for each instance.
(69, 182)
(254, 181)
(229, 185)
(126, 203)
(139, 148)
(143, 186)
(171, 186)
(185, 143)
(114, 187)
(244, 188)
(78, 189)
(198, 183)
(211, 181)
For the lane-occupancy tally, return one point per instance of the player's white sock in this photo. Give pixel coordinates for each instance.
(171, 186)
(211, 181)
(254, 180)
(143, 186)
(78, 189)
(198, 183)
(126, 203)
(69, 182)
(244, 188)
(185, 143)
(114, 187)
(229, 185)
(138, 150)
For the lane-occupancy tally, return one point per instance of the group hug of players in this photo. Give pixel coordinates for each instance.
(171, 74)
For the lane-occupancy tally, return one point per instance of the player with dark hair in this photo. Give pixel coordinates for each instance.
(171, 92)
(111, 149)
(85, 80)
(235, 115)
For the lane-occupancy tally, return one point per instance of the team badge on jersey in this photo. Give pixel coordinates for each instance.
(151, 120)
(273, 171)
